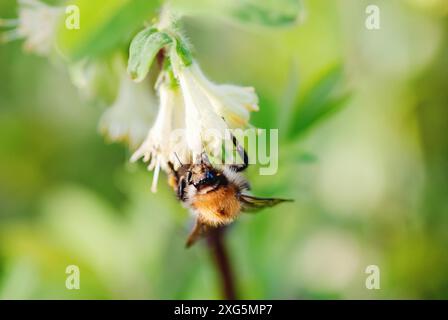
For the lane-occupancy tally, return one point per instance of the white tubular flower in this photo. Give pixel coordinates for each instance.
(37, 24)
(211, 109)
(205, 129)
(131, 115)
(231, 102)
(162, 145)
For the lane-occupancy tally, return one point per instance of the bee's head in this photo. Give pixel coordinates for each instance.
(204, 177)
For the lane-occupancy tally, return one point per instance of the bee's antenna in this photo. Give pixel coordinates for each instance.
(178, 159)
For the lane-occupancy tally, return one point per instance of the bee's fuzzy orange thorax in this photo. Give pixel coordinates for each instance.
(218, 207)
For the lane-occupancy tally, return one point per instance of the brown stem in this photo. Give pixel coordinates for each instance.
(220, 255)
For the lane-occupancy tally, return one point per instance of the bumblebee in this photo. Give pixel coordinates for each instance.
(216, 196)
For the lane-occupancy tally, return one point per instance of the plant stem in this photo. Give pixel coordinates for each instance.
(221, 258)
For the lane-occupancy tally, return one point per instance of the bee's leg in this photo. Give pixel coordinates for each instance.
(172, 170)
(242, 153)
(198, 231)
(181, 189)
(173, 178)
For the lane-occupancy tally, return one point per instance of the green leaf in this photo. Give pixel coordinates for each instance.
(322, 100)
(104, 26)
(289, 96)
(143, 50)
(273, 13)
(183, 52)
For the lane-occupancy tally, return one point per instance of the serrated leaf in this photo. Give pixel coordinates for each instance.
(319, 102)
(104, 26)
(143, 50)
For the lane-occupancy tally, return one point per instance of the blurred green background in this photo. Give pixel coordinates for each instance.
(370, 180)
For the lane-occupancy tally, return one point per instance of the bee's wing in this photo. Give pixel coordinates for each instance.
(251, 203)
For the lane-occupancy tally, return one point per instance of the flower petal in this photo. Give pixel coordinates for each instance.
(37, 24)
(231, 102)
(204, 127)
(130, 117)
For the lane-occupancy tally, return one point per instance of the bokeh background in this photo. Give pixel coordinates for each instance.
(362, 118)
